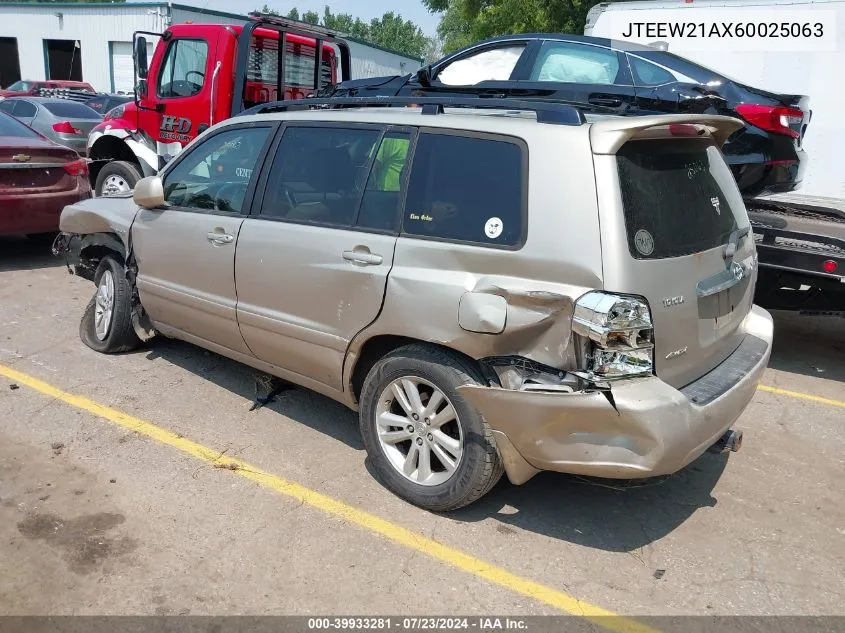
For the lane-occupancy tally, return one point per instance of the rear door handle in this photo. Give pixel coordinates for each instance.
(220, 238)
(609, 102)
(363, 257)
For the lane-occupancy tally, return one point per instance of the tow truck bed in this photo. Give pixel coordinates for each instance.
(801, 248)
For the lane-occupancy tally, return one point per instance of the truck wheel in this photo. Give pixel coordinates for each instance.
(427, 444)
(116, 177)
(106, 324)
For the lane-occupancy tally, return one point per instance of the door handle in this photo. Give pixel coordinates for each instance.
(363, 257)
(609, 102)
(220, 238)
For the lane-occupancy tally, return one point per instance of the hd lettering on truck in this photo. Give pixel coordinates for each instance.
(175, 128)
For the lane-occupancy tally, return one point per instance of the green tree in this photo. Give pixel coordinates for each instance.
(269, 10)
(293, 14)
(312, 17)
(467, 21)
(390, 30)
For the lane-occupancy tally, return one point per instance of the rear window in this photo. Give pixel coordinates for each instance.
(12, 127)
(679, 197)
(467, 189)
(71, 110)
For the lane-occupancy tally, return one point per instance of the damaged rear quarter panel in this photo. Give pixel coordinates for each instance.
(559, 261)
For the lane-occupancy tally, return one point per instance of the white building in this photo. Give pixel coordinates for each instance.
(93, 42)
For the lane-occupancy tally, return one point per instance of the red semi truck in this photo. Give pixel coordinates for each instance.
(200, 74)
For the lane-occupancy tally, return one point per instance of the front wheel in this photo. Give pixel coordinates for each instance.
(106, 324)
(116, 177)
(427, 444)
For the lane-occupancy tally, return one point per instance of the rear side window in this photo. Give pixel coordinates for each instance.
(466, 189)
(71, 110)
(13, 127)
(679, 197)
(576, 63)
(648, 74)
(24, 110)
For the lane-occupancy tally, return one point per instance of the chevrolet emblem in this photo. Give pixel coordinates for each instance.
(21, 158)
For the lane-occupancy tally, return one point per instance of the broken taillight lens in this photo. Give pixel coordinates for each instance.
(77, 167)
(619, 334)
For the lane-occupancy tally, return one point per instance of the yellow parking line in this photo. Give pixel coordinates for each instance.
(802, 396)
(396, 533)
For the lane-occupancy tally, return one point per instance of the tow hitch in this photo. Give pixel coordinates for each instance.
(730, 441)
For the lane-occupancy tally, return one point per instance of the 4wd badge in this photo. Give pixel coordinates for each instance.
(716, 203)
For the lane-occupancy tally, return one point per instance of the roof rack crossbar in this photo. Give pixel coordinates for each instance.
(546, 111)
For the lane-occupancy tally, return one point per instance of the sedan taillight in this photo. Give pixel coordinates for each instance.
(77, 167)
(777, 119)
(65, 127)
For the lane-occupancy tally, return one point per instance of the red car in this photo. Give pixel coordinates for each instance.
(37, 179)
(34, 88)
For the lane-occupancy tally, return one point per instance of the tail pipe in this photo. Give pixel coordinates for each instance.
(730, 441)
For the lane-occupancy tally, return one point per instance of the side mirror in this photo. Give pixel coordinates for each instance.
(140, 55)
(424, 76)
(149, 192)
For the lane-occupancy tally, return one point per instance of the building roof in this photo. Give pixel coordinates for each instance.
(49, 6)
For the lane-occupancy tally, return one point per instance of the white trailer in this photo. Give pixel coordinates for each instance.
(800, 235)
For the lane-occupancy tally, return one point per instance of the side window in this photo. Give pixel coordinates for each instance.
(319, 174)
(215, 175)
(382, 196)
(182, 73)
(467, 189)
(25, 110)
(7, 106)
(576, 63)
(648, 74)
(494, 64)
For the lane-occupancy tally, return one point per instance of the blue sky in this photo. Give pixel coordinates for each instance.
(408, 9)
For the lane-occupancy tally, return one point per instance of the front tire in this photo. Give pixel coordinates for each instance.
(106, 324)
(427, 444)
(116, 177)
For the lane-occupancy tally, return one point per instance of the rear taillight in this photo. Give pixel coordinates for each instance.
(777, 119)
(619, 334)
(77, 167)
(830, 266)
(65, 127)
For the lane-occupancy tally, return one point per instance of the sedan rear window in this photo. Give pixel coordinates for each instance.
(12, 127)
(679, 197)
(71, 110)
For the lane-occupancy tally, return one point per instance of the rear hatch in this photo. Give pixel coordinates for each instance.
(675, 231)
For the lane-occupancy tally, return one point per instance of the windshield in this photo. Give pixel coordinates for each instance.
(679, 197)
(21, 86)
(10, 126)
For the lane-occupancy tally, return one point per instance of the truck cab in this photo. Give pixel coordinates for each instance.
(200, 74)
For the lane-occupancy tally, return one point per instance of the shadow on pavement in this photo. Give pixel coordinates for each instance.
(619, 516)
(812, 346)
(20, 253)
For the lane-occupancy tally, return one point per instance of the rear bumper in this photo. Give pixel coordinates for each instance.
(654, 429)
(38, 212)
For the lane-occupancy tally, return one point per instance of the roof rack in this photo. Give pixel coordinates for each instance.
(561, 113)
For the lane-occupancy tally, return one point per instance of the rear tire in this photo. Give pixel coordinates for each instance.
(115, 177)
(106, 324)
(466, 441)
